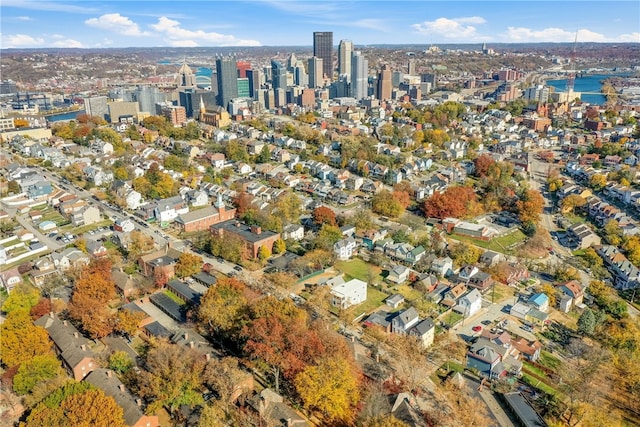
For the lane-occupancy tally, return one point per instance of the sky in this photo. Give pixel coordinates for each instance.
(154, 23)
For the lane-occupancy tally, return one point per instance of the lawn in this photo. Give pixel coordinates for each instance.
(53, 215)
(540, 385)
(375, 299)
(359, 269)
(174, 297)
(408, 292)
(502, 244)
(500, 292)
(548, 360)
(452, 318)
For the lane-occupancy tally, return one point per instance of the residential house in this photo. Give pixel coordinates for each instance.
(574, 290)
(494, 356)
(394, 301)
(490, 258)
(348, 294)
(273, 410)
(469, 304)
(583, 236)
(107, 381)
(442, 267)
(539, 301)
(519, 310)
(529, 349)
(124, 225)
(43, 270)
(370, 237)
(474, 278)
(398, 274)
(86, 216)
(452, 294)
(125, 284)
(70, 258)
(96, 248)
(253, 237)
(217, 160)
(159, 262)
(424, 331)
(10, 279)
(71, 346)
(344, 248)
(404, 321)
(97, 176)
(293, 232)
(167, 210)
(133, 199)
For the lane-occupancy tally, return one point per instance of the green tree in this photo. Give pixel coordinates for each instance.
(598, 182)
(327, 236)
(265, 155)
(39, 369)
(120, 362)
(587, 322)
(263, 253)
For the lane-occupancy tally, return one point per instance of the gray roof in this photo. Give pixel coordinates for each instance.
(527, 416)
(205, 278)
(169, 306)
(183, 290)
(243, 230)
(107, 381)
(157, 330)
(73, 346)
(423, 327)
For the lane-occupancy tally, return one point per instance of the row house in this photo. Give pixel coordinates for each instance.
(404, 252)
(626, 275)
(494, 356)
(408, 322)
(167, 210)
(97, 176)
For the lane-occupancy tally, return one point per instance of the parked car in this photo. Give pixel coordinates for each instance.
(477, 328)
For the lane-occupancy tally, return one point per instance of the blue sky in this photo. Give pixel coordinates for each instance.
(90, 24)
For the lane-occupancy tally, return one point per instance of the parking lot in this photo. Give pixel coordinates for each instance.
(490, 316)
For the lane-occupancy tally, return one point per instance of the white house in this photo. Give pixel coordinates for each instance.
(344, 248)
(469, 304)
(399, 274)
(217, 160)
(293, 232)
(348, 294)
(10, 278)
(442, 266)
(133, 200)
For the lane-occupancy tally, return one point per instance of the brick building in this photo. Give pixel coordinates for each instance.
(252, 236)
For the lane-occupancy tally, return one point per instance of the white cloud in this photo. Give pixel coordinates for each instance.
(68, 43)
(24, 18)
(178, 36)
(47, 5)
(559, 35)
(116, 23)
(19, 40)
(451, 29)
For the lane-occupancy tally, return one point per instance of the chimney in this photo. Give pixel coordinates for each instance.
(64, 322)
(255, 229)
(139, 402)
(353, 339)
(51, 314)
(121, 387)
(186, 336)
(207, 357)
(75, 335)
(191, 344)
(108, 374)
(83, 348)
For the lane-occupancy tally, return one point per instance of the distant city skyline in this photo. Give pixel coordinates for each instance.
(102, 24)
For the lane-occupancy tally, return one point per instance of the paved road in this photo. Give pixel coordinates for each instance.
(43, 238)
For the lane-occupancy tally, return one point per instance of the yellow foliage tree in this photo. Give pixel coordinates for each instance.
(21, 340)
(330, 387)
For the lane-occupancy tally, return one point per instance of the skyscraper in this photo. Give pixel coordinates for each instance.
(315, 67)
(96, 106)
(227, 76)
(359, 75)
(278, 75)
(243, 66)
(384, 83)
(344, 58)
(187, 78)
(323, 49)
(255, 81)
(411, 67)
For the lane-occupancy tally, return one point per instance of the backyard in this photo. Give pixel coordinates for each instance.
(359, 269)
(502, 244)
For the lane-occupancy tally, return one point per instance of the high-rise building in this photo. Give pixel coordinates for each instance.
(96, 106)
(243, 66)
(147, 98)
(186, 76)
(323, 49)
(359, 75)
(411, 67)
(291, 62)
(227, 76)
(316, 72)
(344, 58)
(255, 81)
(384, 83)
(8, 87)
(300, 76)
(243, 88)
(278, 75)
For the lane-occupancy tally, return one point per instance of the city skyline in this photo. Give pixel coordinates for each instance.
(94, 24)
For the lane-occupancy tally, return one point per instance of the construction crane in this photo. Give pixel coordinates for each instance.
(571, 81)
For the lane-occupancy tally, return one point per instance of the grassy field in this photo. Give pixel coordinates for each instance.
(408, 292)
(359, 269)
(500, 244)
(174, 297)
(500, 292)
(52, 215)
(452, 318)
(540, 385)
(375, 299)
(86, 228)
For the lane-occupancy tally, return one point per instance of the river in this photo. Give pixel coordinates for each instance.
(64, 116)
(586, 83)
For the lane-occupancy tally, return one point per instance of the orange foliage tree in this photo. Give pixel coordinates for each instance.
(92, 293)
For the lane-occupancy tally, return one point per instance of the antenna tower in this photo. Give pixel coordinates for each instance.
(571, 81)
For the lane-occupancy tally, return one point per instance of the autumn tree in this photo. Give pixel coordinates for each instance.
(22, 297)
(464, 253)
(361, 219)
(127, 322)
(631, 246)
(288, 207)
(120, 362)
(453, 202)
(263, 253)
(223, 307)
(482, 164)
(90, 407)
(224, 376)
(403, 197)
(331, 387)
(571, 202)
(587, 322)
(530, 206)
(140, 244)
(92, 293)
(41, 308)
(39, 369)
(613, 232)
(173, 376)
(550, 291)
(279, 246)
(242, 201)
(188, 264)
(324, 215)
(597, 182)
(21, 340)
(278, 335)
(384, 203)
(327, 237)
